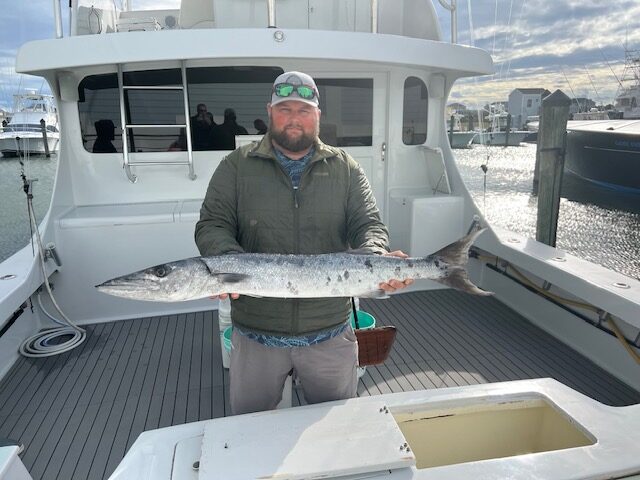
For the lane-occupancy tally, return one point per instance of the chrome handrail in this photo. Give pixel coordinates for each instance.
(57, 15)
(374, 16)
(183, 69)
(454, 18)
(271, 13)
(123, 121)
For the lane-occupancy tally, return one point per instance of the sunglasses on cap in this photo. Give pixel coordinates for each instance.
(286, 90)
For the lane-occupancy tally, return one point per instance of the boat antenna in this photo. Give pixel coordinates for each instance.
(609, 65)
(571, 88)
(593, 85)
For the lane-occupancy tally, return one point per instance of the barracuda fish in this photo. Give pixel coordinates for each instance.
(293, 276)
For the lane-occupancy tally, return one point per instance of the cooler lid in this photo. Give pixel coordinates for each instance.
(304, 443)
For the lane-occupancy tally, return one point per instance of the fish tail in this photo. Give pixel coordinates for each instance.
(455, 257)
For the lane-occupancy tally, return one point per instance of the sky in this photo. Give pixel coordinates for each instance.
(577, 46)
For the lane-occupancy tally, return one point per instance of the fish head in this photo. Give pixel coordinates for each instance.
(168, 282)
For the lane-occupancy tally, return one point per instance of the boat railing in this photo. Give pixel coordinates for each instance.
(91, 17)
(126, 125)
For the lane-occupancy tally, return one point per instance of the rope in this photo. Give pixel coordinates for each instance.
(567, 301)
(42, 344)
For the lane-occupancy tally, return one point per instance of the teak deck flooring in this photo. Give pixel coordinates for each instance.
(79, 412)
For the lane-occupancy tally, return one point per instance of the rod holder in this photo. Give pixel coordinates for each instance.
(57, 15)
(271, 13)
(454, 18)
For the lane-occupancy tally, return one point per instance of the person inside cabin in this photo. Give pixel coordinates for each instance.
(105, 133)
(202, 126)
(291, 193)
(260, 126)
(224, 135)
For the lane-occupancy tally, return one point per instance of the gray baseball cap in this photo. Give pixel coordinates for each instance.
(295, 79)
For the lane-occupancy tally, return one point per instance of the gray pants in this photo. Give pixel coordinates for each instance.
(326, 370)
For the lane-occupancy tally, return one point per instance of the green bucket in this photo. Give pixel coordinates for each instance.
(365, 320)
(226, 335)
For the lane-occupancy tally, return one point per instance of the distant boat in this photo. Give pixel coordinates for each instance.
(500, 132)
(24, 132)
(457, 137)
(501, 139)
(607, 152)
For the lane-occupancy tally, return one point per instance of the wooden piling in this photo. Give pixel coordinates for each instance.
(506, 134)
(43, 125)
(550, 164)
(452, 122)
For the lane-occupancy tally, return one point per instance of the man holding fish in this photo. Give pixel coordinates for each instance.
(292, 194)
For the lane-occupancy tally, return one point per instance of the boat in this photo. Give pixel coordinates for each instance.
(500, 132)
(459, 138)
(538, 381)
(604, 147)
(605, 152)
(34, 120)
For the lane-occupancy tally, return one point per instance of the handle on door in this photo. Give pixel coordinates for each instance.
(383, 151)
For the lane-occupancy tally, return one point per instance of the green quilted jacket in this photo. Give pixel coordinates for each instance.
(251, 206)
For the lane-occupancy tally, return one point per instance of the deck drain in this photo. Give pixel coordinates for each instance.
(8, 277)
(621, 285)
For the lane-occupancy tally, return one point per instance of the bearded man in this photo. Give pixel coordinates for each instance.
(291, 193)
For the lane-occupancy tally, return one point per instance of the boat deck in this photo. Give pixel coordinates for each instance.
(79, 412)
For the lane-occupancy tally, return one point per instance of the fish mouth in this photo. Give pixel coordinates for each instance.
(127, 288)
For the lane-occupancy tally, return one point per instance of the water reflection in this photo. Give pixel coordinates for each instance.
(595, 223)
(14, 219)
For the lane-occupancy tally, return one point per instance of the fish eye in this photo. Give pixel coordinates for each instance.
(160, 271)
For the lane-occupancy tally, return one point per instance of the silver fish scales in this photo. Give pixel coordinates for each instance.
(293, 276)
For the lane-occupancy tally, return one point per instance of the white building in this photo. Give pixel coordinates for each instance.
(523, 103)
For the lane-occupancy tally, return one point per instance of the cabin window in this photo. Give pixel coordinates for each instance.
(228, 101)
(99, 111)
(414, 116)
(347, 111)
(242, 92)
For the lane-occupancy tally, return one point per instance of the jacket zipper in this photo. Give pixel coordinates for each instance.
(295, 321)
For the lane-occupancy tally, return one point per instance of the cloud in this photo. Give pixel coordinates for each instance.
(569, 44)
(534, 43)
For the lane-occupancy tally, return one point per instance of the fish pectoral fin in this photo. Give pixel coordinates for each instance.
(378, 294)
(231, 277)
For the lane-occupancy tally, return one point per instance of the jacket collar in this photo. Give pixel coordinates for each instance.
(265, 149)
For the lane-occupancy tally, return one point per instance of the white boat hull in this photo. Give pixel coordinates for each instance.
(461, 139)
(500, 139)
(29, 143)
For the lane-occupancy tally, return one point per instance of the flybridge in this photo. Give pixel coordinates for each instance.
(398, 17)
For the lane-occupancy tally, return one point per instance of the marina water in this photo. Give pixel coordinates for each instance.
(596, 224)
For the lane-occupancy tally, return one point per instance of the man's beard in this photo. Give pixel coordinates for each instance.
(294, 145)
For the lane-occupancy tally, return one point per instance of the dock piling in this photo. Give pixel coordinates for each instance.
(550, 164)
(43, 125)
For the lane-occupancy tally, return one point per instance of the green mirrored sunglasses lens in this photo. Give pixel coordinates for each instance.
(283, 90)
(305, 92)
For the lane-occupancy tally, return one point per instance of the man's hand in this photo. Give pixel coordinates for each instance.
(395, 284)
(224, 296)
